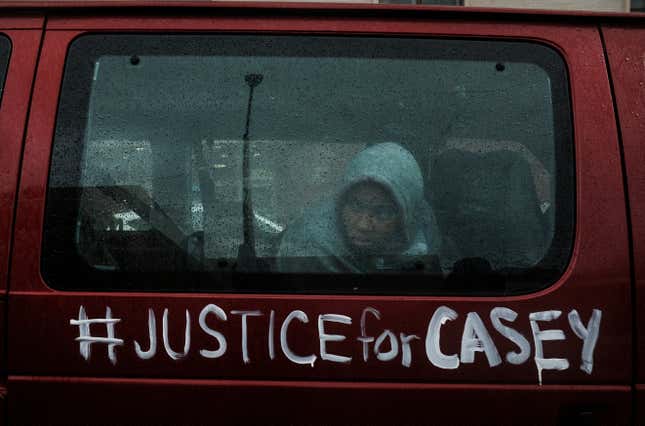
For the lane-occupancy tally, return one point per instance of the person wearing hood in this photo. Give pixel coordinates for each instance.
(379, 221)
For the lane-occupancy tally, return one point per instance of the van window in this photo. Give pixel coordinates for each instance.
(5, 50)
(310, 164)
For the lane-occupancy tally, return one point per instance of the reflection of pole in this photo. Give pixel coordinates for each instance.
(247, 249)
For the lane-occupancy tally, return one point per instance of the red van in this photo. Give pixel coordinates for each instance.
(321, 214)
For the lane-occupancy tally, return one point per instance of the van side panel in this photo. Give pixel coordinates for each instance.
(24, 34)
(46, 366)
(254, 402)
(13, 111)
(626, 52)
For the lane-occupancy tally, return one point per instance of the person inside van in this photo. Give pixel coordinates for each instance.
(378, 221)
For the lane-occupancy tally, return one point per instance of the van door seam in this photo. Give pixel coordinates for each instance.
(630, 240)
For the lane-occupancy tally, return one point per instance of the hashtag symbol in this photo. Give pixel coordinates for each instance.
(86, 339)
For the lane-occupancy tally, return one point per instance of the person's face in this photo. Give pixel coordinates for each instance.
(370, 218)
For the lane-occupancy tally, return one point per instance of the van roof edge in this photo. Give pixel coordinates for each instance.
(157, 6)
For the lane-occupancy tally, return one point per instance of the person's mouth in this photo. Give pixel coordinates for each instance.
(361, 242)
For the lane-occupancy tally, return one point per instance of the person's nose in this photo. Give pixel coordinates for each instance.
(364, 222)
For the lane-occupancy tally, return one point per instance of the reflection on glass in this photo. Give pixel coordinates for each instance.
(358, 155)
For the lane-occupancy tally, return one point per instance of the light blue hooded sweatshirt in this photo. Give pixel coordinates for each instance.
(316, 243)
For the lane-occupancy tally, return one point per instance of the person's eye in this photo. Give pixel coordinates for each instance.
(354, 205)
(386, 213)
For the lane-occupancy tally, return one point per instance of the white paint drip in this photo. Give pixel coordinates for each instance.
(589, 336)
(515, 358)
(540, 336)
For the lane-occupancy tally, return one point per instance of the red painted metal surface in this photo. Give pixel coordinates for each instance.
(626, 53)
(135, 401)
(3, 346)
(13, 113)
(597, 278)
(639, 402)
(3, 404)
(19, 22)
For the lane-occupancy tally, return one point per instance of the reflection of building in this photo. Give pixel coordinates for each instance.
(592, 5)
(595, 5)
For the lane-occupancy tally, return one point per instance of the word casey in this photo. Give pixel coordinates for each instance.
(384, 346)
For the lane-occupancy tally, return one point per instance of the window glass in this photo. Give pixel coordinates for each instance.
(5, 50)
(310, 164)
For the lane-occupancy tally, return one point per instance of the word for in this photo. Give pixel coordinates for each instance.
(386, 346)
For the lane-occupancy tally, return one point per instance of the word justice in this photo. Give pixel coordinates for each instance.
(384, 346)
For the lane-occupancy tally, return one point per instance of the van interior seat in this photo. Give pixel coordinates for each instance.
(487, 207)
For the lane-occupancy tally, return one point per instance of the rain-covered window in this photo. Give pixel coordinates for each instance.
(5, 50)
(310, 164)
